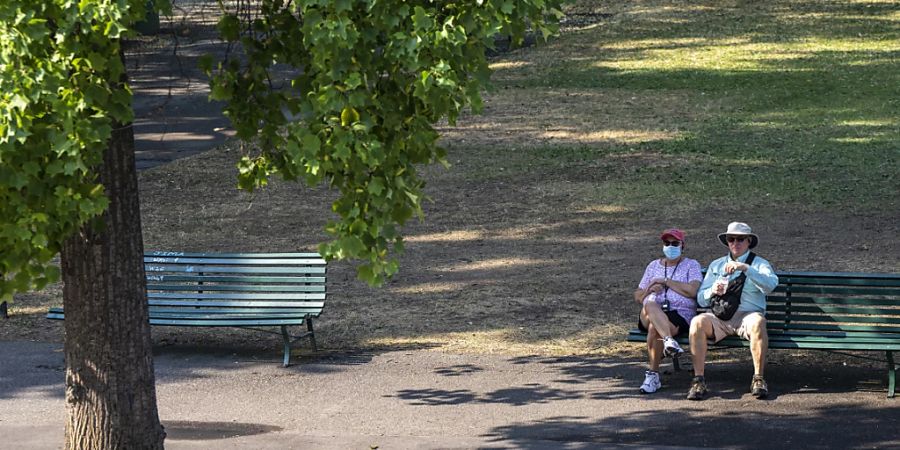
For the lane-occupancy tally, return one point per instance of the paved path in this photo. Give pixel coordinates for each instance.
(227, 398)
(173, 116)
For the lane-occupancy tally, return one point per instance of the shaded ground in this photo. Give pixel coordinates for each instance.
(210, 397)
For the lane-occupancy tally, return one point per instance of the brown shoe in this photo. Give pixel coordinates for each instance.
(698, 389)
(759, 388)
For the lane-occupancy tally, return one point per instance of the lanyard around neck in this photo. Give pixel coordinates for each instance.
(666, 275)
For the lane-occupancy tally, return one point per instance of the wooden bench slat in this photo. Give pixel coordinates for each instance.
(236, 296)
(238, 303)
(797, 318)
(832, 300)
(827, 309)
(847, 277)
(776, 340)
(158, 253)
(238, 261)
(294, 314)
(834, 327)
(829, 333)
(235, 288)
(839, 290)
(240, 279)
(224, 311)
(227, 322)
(153, 268)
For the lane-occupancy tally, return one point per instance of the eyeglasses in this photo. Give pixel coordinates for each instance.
(736, 238)
(671, 243)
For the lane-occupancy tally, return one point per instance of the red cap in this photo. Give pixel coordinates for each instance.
(674, 233)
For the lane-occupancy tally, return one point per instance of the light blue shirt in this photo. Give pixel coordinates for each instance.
(761, 280)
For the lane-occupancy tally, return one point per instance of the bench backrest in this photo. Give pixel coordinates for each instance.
(266, 282)
(836, 303)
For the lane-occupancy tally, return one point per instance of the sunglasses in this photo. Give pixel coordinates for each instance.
(735, 238)
(671, 243)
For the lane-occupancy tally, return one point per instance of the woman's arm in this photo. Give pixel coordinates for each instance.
(641, 294)
(687, 289)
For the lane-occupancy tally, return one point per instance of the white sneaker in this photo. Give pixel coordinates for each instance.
(671, 347)
(651, 382)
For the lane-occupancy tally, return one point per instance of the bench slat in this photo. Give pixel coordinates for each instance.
(774, 300)
(830, 310)
(159, 253)
(236, 296)
(833, 327)
(225, 311)
(845, 277)
(152, 268)
(234, 287)
(238, 303)
(838, 290)
(796, 318)
(238, 261)
(294, 314)
(783, 341)
(226, 322)
(244, 279)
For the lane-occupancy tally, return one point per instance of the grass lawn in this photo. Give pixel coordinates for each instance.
(783, 114)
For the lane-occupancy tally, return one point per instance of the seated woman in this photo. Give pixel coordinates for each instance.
(667, 292)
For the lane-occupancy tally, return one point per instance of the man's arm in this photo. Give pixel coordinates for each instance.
(762, 275)
(706, 288)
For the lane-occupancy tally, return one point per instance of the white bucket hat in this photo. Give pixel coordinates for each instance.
(739, 229)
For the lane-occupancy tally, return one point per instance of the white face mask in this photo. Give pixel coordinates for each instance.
(672, 251)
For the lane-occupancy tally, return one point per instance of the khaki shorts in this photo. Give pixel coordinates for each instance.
(739, 325)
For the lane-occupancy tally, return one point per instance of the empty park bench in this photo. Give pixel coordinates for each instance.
(243, 290)
(831, 312)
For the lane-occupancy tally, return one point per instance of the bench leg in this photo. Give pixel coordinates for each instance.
(676, 364)
(892, 374)
(4, 312)
(312, 335)
(287, 345)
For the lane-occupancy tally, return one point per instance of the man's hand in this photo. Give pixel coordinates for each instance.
(731, 266)
(719, 288)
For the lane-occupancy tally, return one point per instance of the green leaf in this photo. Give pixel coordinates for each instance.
(349, 116)
(229, 27)
(376, 186)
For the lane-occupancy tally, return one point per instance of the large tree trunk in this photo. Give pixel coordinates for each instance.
(110, 386)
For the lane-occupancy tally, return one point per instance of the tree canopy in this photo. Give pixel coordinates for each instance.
(59, 98)
(372, 79)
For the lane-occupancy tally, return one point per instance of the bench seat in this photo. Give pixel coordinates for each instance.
(243, 290)
(830, 311)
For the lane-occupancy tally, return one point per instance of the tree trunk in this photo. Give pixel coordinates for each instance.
(110, 386)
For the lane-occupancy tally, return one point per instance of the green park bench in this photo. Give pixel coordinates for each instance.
(834, 312)
(243, 290)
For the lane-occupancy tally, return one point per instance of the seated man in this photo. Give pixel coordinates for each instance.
(749, 322)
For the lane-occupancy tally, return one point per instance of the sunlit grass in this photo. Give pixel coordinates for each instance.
(795, 102)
